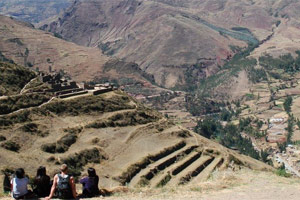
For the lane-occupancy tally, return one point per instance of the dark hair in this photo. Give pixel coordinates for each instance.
(92, 172)
(20, 173)
(41, 171)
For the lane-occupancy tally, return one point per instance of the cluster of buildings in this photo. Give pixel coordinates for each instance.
(63, 87)
(290, 158)
(276, 132)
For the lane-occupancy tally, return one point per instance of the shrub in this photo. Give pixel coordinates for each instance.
(2, 138)
(89, 104)
(49, 148)
(282, 172)
(13, 78)
(62, 144)
(18, 102)
(51, 159)
(182, 134)
(68, 139)
(30, 127)
(12, 146)
(34, 129)
(19, 117)
(77, 161)
(125, 119)
(75, 130)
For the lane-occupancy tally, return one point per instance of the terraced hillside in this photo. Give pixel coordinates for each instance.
(126, 142)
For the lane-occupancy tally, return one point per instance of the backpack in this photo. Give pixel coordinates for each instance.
(64, 189)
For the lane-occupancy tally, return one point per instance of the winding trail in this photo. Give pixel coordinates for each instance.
(24, 88)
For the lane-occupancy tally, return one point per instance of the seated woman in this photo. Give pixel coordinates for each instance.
(90, 184)
(19, 185)
(41, 183)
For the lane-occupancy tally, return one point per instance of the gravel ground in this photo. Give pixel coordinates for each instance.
(242, 185)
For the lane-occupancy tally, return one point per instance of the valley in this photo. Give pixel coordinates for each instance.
(156, 95)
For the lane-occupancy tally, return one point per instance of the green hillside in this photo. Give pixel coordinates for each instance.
(13, 78)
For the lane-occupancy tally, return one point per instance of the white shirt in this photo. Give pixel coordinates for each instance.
(19, 186)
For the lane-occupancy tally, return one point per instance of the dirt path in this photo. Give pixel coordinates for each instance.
(25, 86)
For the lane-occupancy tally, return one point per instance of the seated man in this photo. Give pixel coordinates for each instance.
(90, 184)
(64, 184)
(19, 185)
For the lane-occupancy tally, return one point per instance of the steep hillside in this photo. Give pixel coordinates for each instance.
(166, 38)
(13, 78)
(40, 50)
(33, 11)
(181, 42)
(125, 141)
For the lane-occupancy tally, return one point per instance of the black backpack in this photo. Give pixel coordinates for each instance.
(64, 189)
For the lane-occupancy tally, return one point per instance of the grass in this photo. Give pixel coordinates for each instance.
(36, 86)
(63, 144)
(13, 78)
(11, 146)
(20, 117)
(88, 104)
(34, 129)
(126, 119)
(164, 181)
(77, 161)
(74, 107)
(14, 103)
(135, 168)
(282, 172)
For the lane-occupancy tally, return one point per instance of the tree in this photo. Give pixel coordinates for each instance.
(207, 128)
(287, 104)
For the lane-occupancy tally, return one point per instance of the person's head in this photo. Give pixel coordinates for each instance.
(91, 172)
(41, 171)
(64, 168)
(20, 173)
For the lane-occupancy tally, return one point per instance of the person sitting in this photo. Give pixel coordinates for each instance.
(6, 183)
(64, 184)
(41, 183)
(90, 184)
(19, 184)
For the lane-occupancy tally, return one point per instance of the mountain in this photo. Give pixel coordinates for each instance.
(125, 141)
(22, 44)
(176, 41)
(33, 11)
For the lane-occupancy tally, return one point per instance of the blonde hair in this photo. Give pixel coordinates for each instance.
(64, 167)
